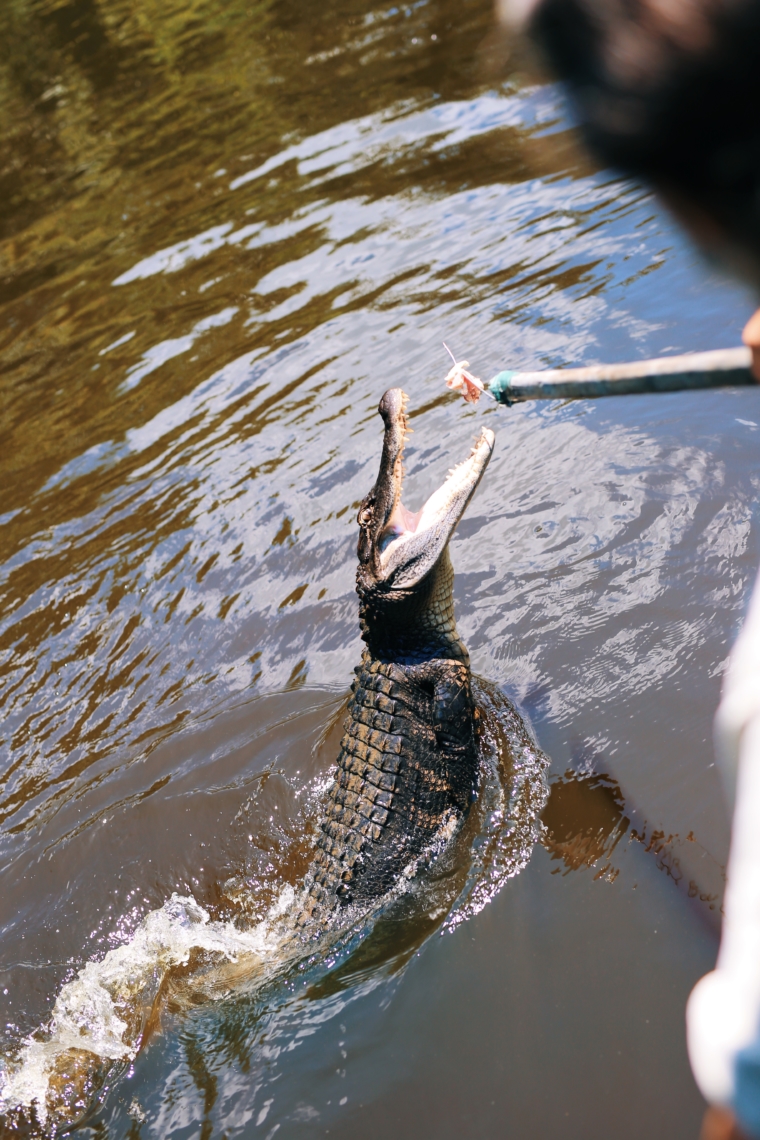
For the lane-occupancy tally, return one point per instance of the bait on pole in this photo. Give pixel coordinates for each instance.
(721, 368)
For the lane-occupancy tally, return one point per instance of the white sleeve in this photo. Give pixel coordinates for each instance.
(723, 1012)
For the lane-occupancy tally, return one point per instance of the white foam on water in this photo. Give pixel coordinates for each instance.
(86, 1015)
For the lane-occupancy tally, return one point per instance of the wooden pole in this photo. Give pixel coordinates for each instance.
(723, 368)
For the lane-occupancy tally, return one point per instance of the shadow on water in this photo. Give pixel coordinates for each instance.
(585, 820)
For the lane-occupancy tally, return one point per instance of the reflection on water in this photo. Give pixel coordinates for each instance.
(225, 229)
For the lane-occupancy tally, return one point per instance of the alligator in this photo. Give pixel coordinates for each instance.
(408, 767)
(408, 761)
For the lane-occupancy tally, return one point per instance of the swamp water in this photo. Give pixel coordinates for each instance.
(225, 229)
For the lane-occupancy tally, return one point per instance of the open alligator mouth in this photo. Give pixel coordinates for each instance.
(400, 546)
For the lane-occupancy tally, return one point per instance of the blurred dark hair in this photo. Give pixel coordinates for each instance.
(668, 89)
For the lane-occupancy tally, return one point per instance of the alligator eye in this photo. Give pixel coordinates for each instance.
(365, 516)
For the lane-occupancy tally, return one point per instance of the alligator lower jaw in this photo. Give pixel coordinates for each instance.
(420, 537)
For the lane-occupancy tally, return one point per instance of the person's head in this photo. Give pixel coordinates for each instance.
(670, 90)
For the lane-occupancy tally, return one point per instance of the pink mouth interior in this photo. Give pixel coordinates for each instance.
(402, 521)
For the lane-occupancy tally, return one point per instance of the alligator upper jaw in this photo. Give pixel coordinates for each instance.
(407, 545)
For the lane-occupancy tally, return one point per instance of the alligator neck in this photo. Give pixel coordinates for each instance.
(417, 627)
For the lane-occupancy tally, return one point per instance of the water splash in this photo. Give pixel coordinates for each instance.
(102, 1016)
(512, 796)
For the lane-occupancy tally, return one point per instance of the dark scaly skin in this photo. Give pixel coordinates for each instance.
(409, 756)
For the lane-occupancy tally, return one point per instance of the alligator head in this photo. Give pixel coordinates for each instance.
(405, 578)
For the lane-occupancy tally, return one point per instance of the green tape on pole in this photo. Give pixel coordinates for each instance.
(499, 387)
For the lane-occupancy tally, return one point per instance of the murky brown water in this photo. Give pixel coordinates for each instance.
(226, 228)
